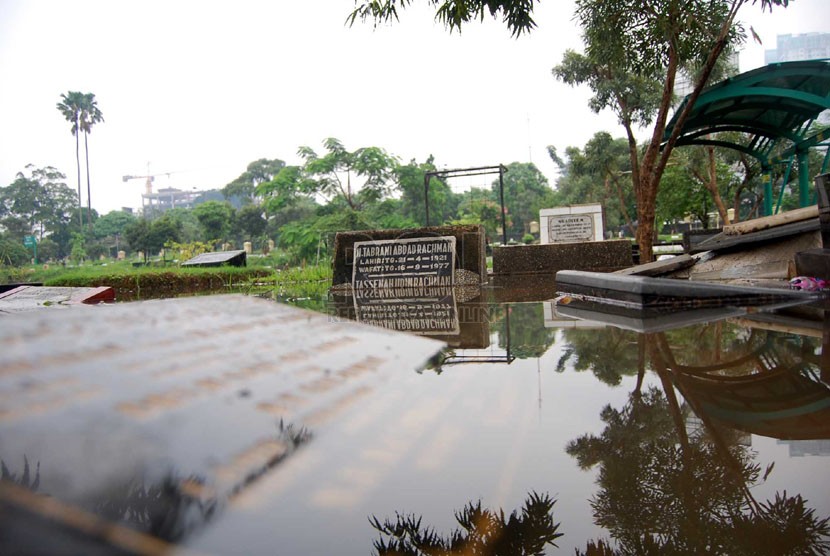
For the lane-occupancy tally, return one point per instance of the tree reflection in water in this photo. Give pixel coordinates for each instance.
(26, 480)
(607, 352)
(169, 508)
(526, 338)
(664, 490)
(482, 531)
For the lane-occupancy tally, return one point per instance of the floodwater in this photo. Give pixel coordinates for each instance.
(531, 428)
(709, 438)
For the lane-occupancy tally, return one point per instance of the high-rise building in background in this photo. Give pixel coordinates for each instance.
(805, 46)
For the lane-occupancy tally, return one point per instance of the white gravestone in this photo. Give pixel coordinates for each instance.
(574, 223)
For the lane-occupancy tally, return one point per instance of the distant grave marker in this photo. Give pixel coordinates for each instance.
(575, 223)
(219, 258)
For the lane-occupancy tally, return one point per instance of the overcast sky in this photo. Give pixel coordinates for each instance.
(199, 89)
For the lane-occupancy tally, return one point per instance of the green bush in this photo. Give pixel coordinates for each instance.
(13, 253)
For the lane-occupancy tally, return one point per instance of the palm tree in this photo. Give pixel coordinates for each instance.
(90, 115)
(71, 107)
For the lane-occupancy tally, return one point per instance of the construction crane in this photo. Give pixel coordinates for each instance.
(148, 186)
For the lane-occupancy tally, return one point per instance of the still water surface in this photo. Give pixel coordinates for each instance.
(531, 430)
(710, 438)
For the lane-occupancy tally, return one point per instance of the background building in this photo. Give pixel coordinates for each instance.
(806, 46)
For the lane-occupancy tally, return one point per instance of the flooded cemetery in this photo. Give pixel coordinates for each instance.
(562, 401)
(440, 393)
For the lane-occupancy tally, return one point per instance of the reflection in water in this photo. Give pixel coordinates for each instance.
(170, 508)
(483, 531)
(174, 507)
(665, 488)
(524, 338)
(764, 383)
(607, 352)
(26, 480)
(663, 491)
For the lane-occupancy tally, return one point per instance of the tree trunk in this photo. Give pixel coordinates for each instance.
(88, 190)
(654, 162)
(78, 168)
(623, 209)
(712, 185)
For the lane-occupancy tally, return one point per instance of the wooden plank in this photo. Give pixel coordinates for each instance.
(766, 222)
(723, 242)
(657, 268)
(768, 270)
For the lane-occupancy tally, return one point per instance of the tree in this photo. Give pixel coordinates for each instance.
(71, 106)
(331, 174)
(113, 223)
(285, 189)
(12, 252)
(148, 237)
(258, 172)
(443, 203)
(90, 115)
(137, 235)
(635, 48)
(215, 218)
(597, 173)
(39, 202)
(516, 14)
(112, 226)
(526, 191)
(250, 222)
(190, 229)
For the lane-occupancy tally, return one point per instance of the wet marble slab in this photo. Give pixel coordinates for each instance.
(132, 427)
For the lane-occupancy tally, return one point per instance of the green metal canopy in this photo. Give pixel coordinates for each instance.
(773, 107)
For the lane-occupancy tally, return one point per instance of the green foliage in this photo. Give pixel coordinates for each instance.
(12, 252)
(47, 250)
(287, 189)
(186, 223)
(81, 110)
(38, 202)
(516, 14)
(245, 187)
(215, 218)
(331, 174)
(151, 237)
(186, 251)
(528, 338)
(388, 214)
(477, 207)
(598, 173)
(526, 191)
(113, 223)
(78, 253)
(249, 222)
(146, 282)
(634, 50)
